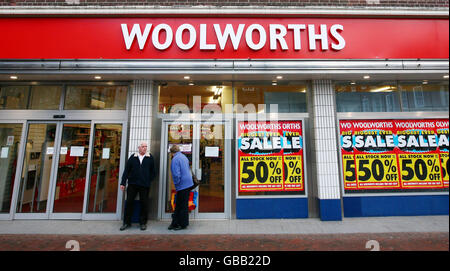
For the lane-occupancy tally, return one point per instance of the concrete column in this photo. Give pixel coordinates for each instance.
(141, 114)
(325, 144)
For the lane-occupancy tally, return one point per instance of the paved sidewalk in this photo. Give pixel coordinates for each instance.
(236, 226)
(389, 233)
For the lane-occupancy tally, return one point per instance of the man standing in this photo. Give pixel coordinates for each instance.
(182, 179)
(139, 171)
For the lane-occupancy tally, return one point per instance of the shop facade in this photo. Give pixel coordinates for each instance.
(280, 116)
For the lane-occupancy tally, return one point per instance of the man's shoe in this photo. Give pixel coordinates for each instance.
(171, 227)
(143, 227)
(124, 227)
(177, 228)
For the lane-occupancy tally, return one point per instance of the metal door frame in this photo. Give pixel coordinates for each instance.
(10, 215)
(49, 214)
(164, 167)
(46, 215)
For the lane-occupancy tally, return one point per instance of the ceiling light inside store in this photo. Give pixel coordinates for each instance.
(13, 77)
(366, 77)
(98, 77)
(352, 83)
(445, 76)
(187, 77)
(274, 83)
(191, 84)
(279, 77)
(425, 82)
(384, 89)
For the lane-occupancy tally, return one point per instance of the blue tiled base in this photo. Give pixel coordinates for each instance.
(272, 208)
(396, 205)
(330, 209)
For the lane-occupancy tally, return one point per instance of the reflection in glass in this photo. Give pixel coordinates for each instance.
(211, 188)
(36, 171)
(45, 97)
(105, 168)
(424, 96)
(14, 97)
(373, 97)
(174, 97)
(9, 146)
(30, 97)
(180, 134)
(71, 179)
(260, 97)
(96, 97)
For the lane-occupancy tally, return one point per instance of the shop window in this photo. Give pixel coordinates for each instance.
(96, 97)
(265, 98)
(36, 97)
(424, 96)
(14, 97)
(374, 97)
(9, 148)
(45, 97)
(181, 97)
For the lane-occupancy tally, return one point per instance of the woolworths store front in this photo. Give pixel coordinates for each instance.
(280, 116)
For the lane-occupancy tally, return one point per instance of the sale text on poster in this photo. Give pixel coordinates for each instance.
(395, 154)
(270, 156)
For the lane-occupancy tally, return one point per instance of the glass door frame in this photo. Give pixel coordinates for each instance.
(164, 167)
(49, 214)
(123, 158)
(46, 215)
(10, 215)
(55, 169)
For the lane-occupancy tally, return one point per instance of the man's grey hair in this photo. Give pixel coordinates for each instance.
(142, 142)
(174, 148)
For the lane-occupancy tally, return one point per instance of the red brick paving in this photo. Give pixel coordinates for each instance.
(433, 241)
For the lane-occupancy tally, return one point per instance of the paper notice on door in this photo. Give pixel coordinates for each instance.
(63, 150)
(5, 151)
(10, 141)
(77, 151)
(186, 148)
(211, 151)
(49, 151)
(105, 153)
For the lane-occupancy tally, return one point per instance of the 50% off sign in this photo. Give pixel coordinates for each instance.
(293, 178)
(420, 170)
(372, 170)
(261, 173)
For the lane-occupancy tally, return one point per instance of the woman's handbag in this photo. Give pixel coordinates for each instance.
(195, 180)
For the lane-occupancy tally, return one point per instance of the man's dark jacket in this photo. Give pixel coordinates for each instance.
(137, 173)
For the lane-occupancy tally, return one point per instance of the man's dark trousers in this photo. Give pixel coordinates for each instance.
(180, 216)
(132, 191)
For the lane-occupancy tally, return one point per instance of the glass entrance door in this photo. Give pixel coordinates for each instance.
(58, 157)
(205, 146)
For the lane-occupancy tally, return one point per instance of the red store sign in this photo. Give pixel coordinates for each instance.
(223, 38)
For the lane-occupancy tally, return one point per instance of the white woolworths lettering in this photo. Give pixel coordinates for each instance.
(228, 33)
(249, 37)
(179, 36)
(155, 36)
(277, 34)
(135, 32)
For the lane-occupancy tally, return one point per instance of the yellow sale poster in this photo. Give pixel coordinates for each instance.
(270, 156)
